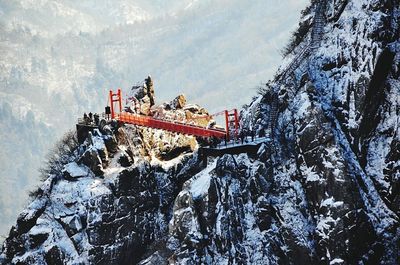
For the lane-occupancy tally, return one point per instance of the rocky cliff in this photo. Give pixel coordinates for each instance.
(324, 190)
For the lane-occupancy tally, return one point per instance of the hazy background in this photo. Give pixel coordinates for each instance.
(59, 58)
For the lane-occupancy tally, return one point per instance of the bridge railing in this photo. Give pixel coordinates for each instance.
(247, 141)
(179, 127)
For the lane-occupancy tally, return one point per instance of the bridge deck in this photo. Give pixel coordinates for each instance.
(171, 126)
(249, 147)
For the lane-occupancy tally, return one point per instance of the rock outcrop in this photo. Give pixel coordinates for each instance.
(114, 197)
(142, 97)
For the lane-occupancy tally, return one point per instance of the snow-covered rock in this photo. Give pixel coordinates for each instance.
(324, 191)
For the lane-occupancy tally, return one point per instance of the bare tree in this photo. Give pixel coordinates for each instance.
(61, 154)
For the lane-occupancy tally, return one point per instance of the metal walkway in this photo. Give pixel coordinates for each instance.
(234, 148)
(172, 126)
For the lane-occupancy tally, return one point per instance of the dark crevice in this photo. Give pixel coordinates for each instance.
(373, 100)
(336, 17)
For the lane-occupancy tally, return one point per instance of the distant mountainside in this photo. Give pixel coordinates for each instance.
(59, 59)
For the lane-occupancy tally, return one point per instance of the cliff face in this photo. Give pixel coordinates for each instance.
(324, 190)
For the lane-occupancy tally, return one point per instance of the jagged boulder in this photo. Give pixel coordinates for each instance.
(111, 144)
(141, 97)
(179, 102)
(27, 219)
(125, 159)
(226, 164)
(92, 160)
(37, 238)
(72, 224)
(54, 256)
(150, 89)
(184, 224)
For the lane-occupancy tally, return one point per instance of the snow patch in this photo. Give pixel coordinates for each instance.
(75, 170)
(330, 202)
(336, 261)
(201, 182)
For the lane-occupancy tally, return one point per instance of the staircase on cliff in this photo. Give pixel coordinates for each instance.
(272, 117)
(316, 36)
(318, 28)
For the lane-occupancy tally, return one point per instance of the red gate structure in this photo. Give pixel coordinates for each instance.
(115, 97)
(232, 121)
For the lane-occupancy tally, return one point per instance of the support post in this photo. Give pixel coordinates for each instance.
(113, 100)
(227, 125)
(120, 99)
(235, 113)
(112, 104)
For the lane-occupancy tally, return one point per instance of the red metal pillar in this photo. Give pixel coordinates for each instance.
(115, 98)
(120, 99)
(227, 124)
(112, 104)
(235, 113)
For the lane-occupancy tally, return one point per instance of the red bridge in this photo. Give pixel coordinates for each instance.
(231, 119)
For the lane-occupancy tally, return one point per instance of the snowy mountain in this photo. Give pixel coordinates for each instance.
(59, 59)
(324, 190)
